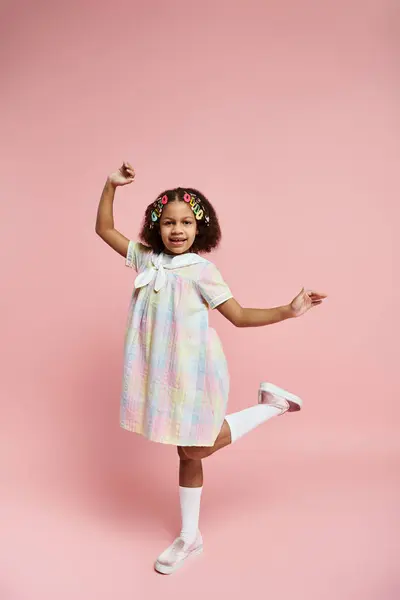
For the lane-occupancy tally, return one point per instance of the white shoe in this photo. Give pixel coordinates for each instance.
(269, 393)
(176, 554)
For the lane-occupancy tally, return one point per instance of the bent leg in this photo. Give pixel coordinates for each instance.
(198, 452)
(234, 427)
(273, 401)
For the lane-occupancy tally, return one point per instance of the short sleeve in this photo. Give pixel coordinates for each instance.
(137, 255)
(212, 287)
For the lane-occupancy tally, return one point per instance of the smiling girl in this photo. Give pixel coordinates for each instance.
(175, 379)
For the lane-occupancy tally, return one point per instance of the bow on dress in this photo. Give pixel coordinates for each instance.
(160, 262)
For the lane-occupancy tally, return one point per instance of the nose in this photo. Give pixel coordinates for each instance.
(177, 228)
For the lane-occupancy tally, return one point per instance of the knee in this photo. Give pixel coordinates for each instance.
(181, 453)
(192, 452)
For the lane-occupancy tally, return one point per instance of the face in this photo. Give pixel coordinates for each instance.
(178, 227)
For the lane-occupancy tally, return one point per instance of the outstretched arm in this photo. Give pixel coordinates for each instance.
(258, 317)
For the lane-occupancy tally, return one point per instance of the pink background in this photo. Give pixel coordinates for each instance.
(285, 114)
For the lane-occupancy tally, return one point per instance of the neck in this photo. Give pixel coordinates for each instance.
(166, 251)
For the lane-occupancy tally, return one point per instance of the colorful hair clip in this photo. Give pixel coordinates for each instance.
(158, 207)
(191, 199)
(197, 207)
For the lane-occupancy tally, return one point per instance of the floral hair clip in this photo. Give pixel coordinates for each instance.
(190, 199)
(158, 207)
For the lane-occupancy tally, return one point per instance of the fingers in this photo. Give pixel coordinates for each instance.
(315, 297)
(127, 167)
(314, 294)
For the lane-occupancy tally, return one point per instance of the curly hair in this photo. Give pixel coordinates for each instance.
(208, 236)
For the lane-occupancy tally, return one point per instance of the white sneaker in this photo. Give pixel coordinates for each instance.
(176, 554)
(269, 393)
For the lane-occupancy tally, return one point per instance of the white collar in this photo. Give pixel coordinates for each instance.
(162, 261)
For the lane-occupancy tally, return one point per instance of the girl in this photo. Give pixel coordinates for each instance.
(175, 381)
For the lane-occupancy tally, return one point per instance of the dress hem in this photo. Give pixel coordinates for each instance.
(166, 441)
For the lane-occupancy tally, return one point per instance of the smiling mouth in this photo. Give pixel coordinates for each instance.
(177, 241)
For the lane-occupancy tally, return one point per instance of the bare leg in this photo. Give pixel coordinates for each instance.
(190, 471)
(196, 453)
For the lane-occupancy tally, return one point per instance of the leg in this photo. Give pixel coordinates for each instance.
(273, 401)
(189, 542)
(190, 471)
(190, 489)
(224, 438)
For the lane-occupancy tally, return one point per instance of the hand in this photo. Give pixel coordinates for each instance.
(304, 301)
(123, 176)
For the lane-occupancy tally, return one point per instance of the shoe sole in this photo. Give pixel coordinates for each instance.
(295, 403)
(164, 570)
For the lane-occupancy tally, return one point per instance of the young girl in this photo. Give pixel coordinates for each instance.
(175, 380)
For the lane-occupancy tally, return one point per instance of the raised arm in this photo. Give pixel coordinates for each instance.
(105, 214)
(258, 317)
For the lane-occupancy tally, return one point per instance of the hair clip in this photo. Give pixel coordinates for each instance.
(190, 199)
(197, 207)
(159, 205)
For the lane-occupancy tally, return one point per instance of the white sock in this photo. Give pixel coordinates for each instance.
(190, 512)
(244, 421)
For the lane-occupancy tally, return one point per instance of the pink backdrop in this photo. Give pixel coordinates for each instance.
(285, 114)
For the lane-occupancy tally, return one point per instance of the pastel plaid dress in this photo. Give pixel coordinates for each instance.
(175, 379)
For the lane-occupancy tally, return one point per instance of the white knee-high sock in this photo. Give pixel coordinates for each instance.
(190, 512)
(245, 420)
